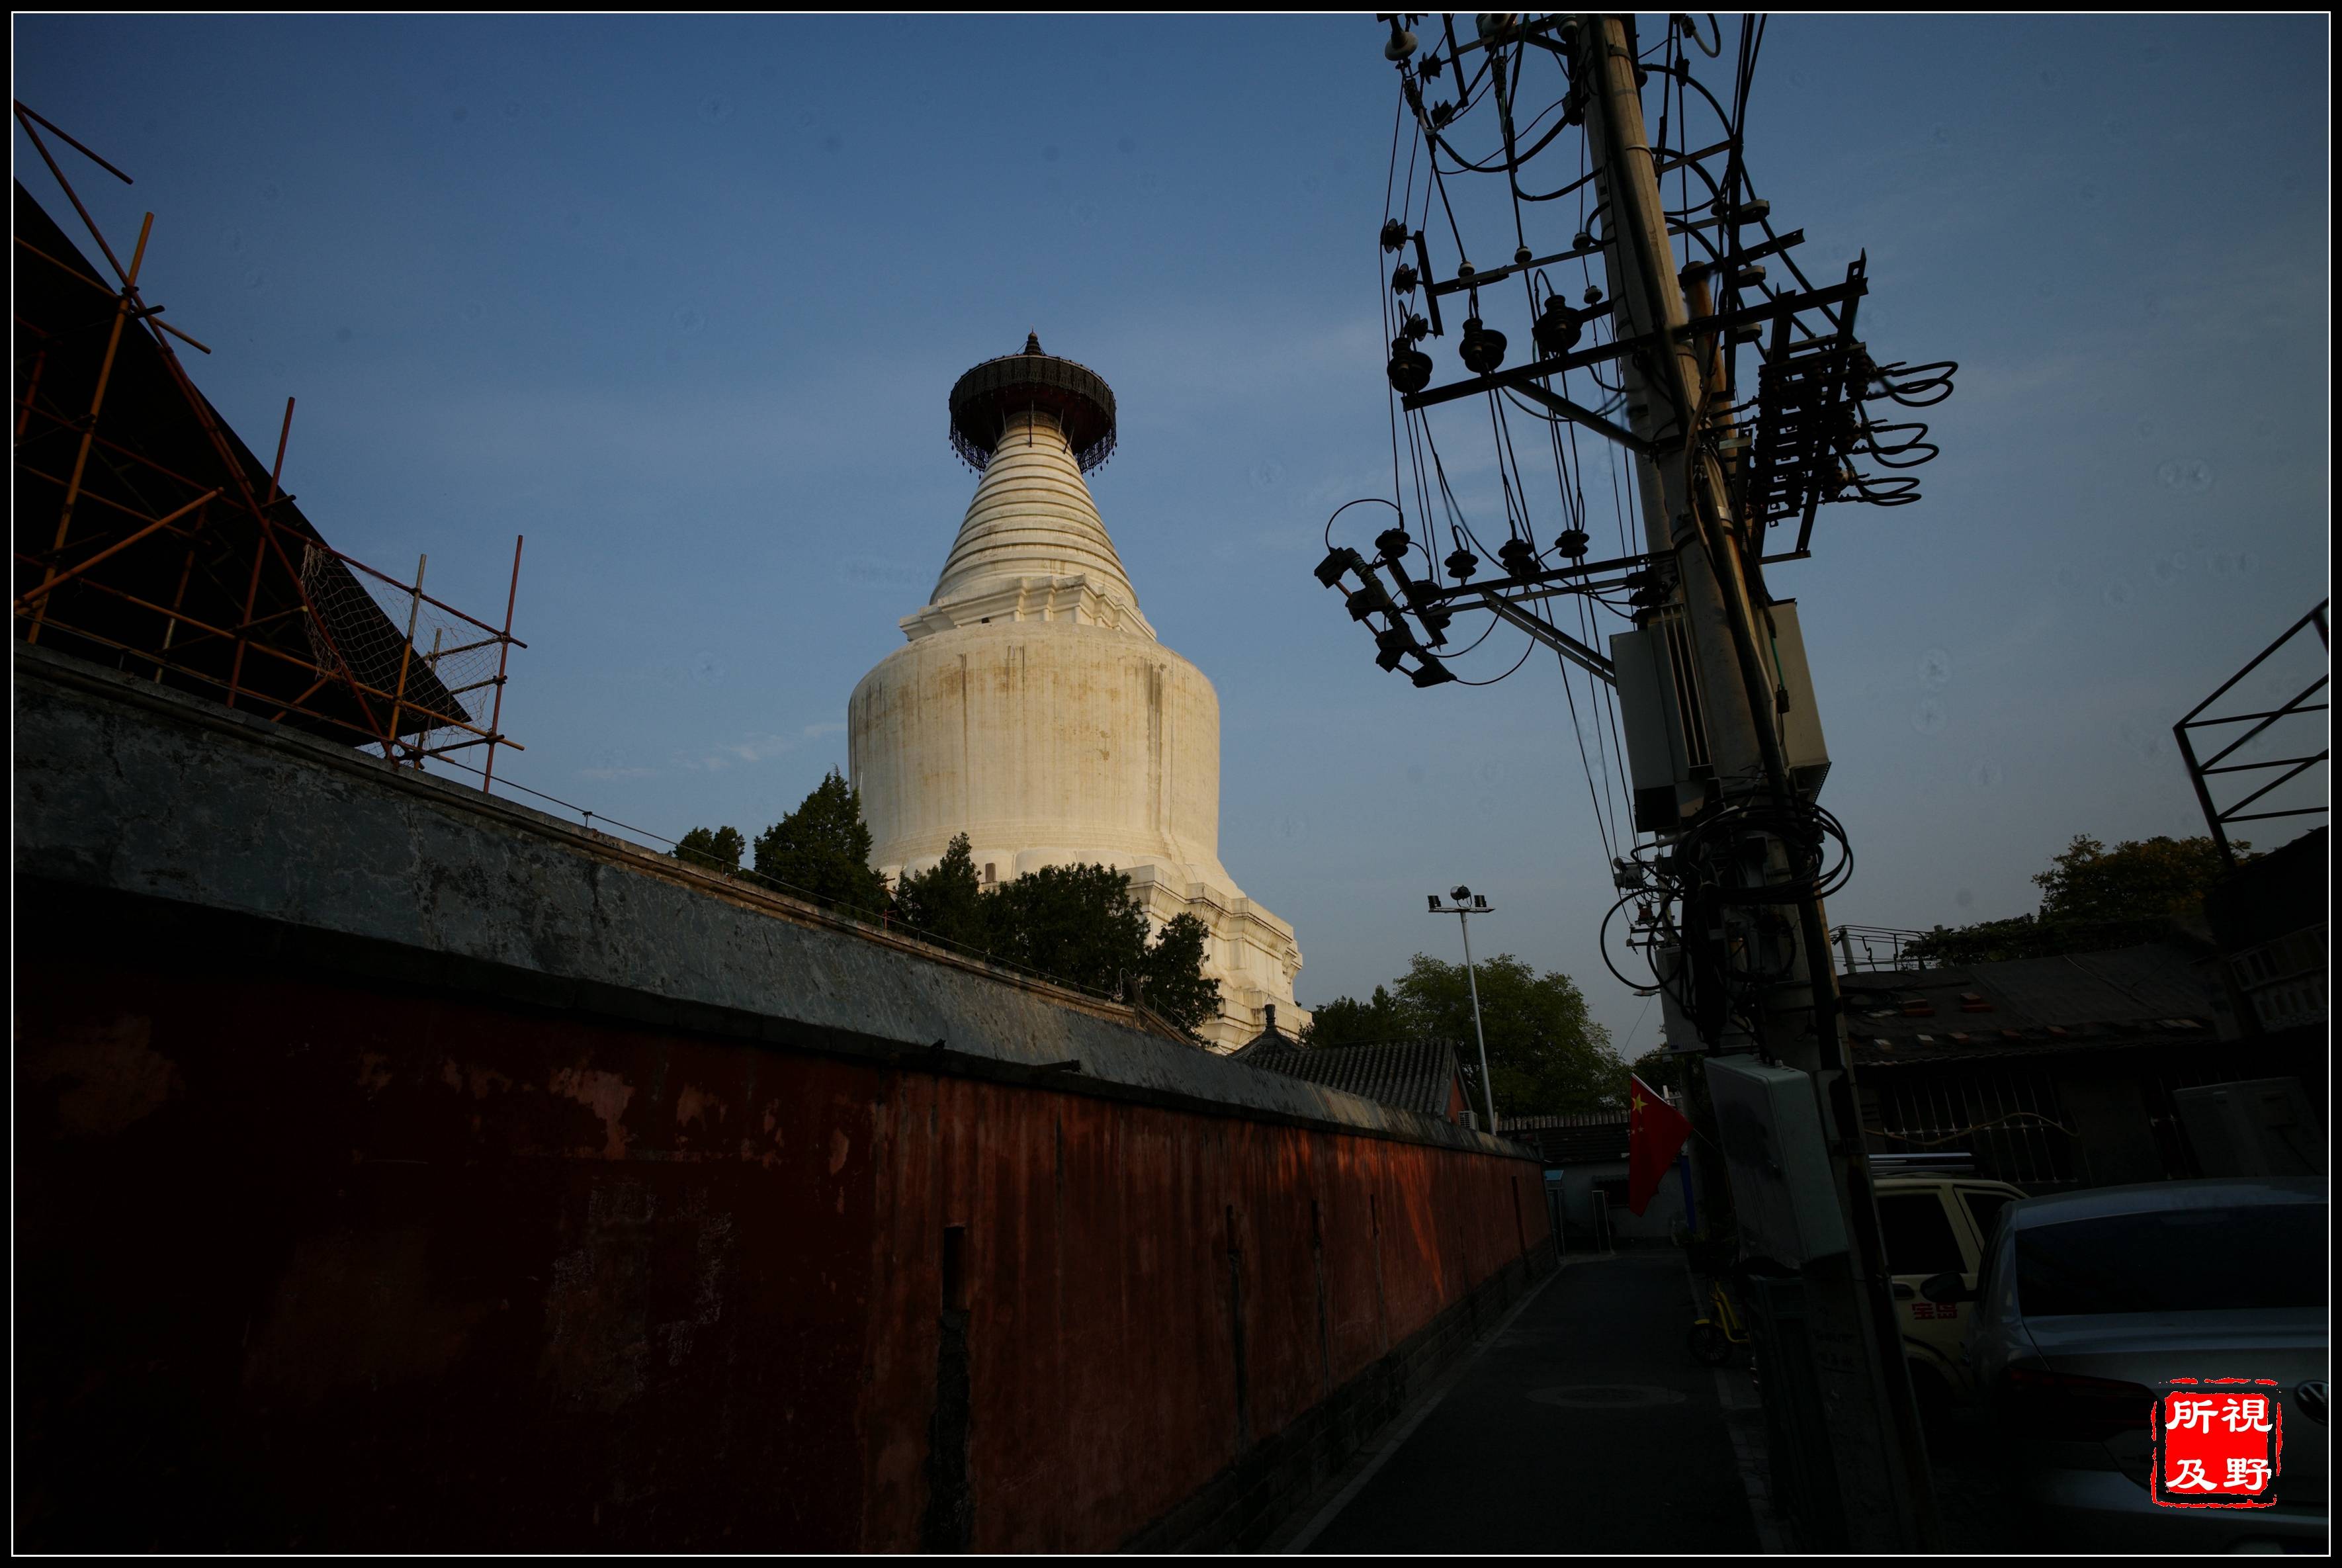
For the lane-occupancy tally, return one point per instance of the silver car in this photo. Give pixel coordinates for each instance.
(2089, 1300)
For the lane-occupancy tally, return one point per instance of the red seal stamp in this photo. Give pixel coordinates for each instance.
(2217, 1442)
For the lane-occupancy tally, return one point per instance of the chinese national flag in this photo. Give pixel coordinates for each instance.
(1656, 1131)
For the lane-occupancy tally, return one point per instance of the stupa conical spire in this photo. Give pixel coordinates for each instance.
(1032, 545)
(1034, 714)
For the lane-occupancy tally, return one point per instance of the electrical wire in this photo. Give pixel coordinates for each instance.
(1693, 881)
(1494, 679)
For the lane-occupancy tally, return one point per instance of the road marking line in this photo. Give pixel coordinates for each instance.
(1396, 1435)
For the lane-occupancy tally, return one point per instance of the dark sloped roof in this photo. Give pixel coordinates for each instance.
(1269, 1041)
(2153, 994)
(159, 446)
(1412, 1075)
(1583, 1140)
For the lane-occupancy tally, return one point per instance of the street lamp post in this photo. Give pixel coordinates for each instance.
(1467, 904)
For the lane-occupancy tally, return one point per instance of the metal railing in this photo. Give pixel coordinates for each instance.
(2202, 770)
(2005, 1118)
(1871, 948)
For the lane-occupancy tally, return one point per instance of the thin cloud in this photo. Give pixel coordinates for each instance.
(759, 747)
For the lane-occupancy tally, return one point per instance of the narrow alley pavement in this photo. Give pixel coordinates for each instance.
(1585, 1426)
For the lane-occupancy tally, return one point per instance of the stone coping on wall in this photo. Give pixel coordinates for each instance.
(124, 787)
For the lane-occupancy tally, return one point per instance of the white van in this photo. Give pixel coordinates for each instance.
(1937, 1222)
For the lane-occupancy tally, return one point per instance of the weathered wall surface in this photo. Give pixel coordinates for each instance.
(400, 1168)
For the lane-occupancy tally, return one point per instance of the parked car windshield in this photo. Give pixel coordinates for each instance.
(2178, 1260)
(1919, 1239)
(1984, 1207)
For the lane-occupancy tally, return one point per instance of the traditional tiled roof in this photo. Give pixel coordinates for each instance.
(1269, 1040)
(2146, 995)
(1412, 1075)
(1584, 1140)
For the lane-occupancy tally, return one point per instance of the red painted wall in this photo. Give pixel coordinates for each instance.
(304, 1262)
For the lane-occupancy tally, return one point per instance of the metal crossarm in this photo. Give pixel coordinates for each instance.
(2201, 771)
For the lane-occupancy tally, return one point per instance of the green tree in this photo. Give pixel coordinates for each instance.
(1079, 925)
(1345, 1021)
(2143, 877)
(945, 903)
(1175, 986)
(2092, 897)
(821, 850)
(1661, 1069)
(1074, 924)
(1546, 1056)
(718, 849)
(1996, 940)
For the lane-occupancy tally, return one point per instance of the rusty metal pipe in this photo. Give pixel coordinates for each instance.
(494, 634)
(278, 716)
(446, 721)
(179, 597)
(405, 649)
(251, 597)
(24, 413)
(150, 314)
(67, 186)
(504, 653)
(27, 471)
(221, 448)
(276, 471)
(53, 583)
(128, 298)
(22, 108)
(125, 454)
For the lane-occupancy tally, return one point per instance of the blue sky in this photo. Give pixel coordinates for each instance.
(680, 299)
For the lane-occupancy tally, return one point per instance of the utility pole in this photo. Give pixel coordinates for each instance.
(1722, 749)
(1689, 518)
(1467, 904)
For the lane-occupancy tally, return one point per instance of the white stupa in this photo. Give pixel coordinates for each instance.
(1035, 710)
